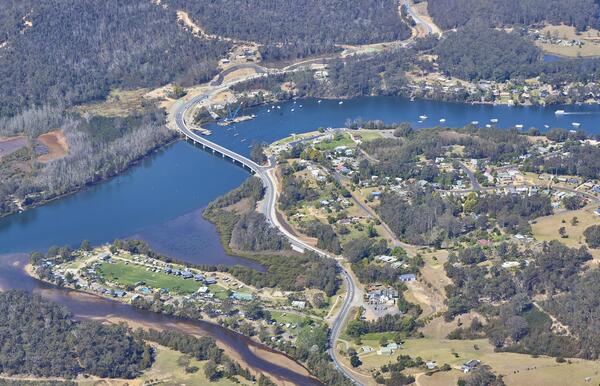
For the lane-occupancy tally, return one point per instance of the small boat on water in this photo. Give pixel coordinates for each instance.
(273, 106)
(443, 120)
(547, 126)
(292, 110)
(236, 134)
(475, 122)
(519, 126)
(341, 103)
(279, 107)
(300, 106)
(576, 124)
(319, 101)
(419, 121)
(488, 126)
(243, 140)
(494, 120)
(560, 112)
(423, 117)
(268, 111)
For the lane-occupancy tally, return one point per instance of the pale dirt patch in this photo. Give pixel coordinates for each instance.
(9, 145)
(238, 74)
(57, 144)
(421, 11)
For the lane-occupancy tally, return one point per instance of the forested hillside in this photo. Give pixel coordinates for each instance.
(478, 52)
(40, 338)
(99, 147)
(297, 28)
(71, 51)
(453, 13)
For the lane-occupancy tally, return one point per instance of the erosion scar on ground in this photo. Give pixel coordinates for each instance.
(57, 145)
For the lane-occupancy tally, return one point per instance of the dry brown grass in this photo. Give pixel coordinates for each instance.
(546, 228)
(591, 38)
(119, 103)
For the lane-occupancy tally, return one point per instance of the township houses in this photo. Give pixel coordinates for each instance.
(388, 349)
(382, 296)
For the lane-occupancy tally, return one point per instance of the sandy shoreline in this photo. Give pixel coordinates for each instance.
(265, 354)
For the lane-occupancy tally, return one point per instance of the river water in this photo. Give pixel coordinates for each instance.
(161, 199)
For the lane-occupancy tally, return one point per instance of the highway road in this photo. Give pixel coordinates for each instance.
(268, 208)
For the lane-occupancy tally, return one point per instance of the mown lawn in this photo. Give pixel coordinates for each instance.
(126, 275)
(343, 140)
(220, 292)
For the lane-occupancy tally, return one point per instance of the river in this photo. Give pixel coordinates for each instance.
(160, 199)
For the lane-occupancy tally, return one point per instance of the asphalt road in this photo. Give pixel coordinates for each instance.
(268, 208)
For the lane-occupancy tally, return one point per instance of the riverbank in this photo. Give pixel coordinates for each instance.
(199, 328)
(35, 204)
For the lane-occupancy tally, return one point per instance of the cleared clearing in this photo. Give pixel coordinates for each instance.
(11, 144)
(57, 145)
(590, 38)
(119, 103)
(546, 228)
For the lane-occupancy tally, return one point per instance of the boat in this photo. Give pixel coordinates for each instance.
(319, 101)
(292, 110)
(519, 126)
(443, 120)
(423, 117)
(243, 140)
(419, 121)
(576, 124)
(494, 120)
(273, 106)
(547, 126)
(475, 122)
(268, 111)
(236, 134)
(488, 126)
(279, 107)
(560, 112)
(341, 103)
(300, 106)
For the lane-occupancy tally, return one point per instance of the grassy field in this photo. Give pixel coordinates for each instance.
(591, 38)
(341, 140)
(369, 135)
(287, 318)
(546, 228)
(517, 369)
(130, 274)
(220, 292)
(167, 369)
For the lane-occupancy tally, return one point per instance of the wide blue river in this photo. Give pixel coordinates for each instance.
(160, 200)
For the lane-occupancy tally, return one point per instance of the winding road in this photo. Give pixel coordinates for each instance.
(268, 208)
